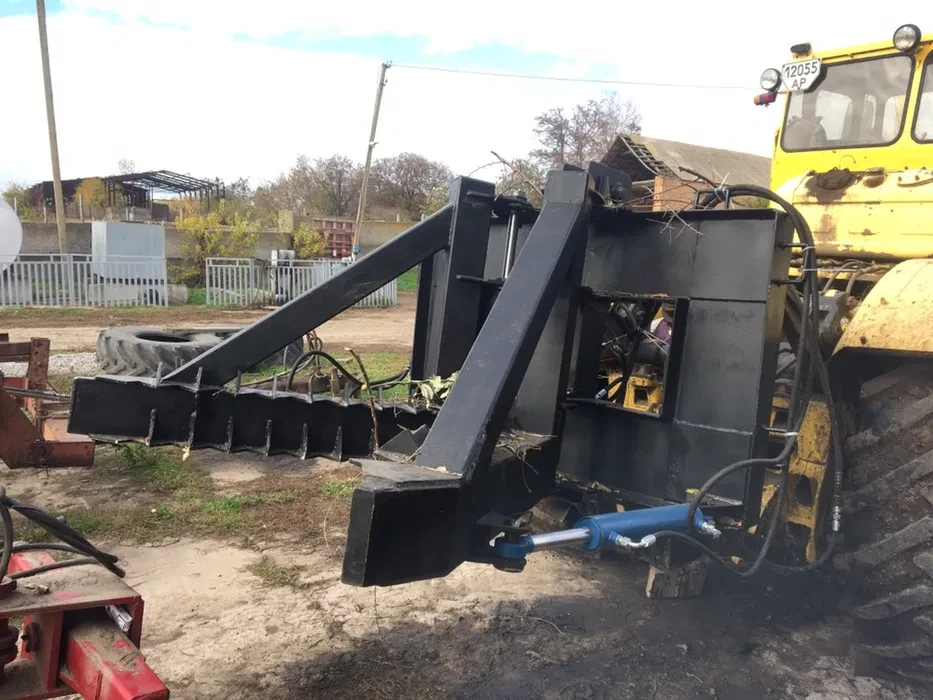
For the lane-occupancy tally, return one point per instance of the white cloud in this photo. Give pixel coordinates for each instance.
(196, 101)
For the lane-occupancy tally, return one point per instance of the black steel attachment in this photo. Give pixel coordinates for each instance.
(518, 301)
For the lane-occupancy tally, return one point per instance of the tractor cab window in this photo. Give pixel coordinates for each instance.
(860, 103)
(923, 126)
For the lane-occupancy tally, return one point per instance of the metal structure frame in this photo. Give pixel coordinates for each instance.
(526, 339)
(136, 189)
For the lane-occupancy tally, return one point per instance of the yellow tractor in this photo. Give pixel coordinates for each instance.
(854, 154)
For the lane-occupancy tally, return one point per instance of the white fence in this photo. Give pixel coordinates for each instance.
(80, 280)
(251, 282)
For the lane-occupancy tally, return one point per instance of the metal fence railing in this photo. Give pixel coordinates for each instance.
(80, 280)
(252, 282)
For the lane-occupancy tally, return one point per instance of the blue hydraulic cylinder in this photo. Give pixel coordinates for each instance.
(595, 531)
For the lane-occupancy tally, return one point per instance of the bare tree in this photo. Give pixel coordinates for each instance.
(336, 185)
(517, 175)
(126, 166)
(585, 132)
(405, 181)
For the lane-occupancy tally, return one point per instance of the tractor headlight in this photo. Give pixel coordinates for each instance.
(770, 79)
(907, 38)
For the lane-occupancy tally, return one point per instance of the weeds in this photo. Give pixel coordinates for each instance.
(273, 574)
(339, 488)
(160, 467)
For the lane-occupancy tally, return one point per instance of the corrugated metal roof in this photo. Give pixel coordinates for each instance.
(643, 158)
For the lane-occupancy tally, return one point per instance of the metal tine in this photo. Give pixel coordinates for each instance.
(275, 384)
(239, 382)
(268, 449)
(152, 426)
(304, 442)
(337, 454)
(229, 445)
(158, 376)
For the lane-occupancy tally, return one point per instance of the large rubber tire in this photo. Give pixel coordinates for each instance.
(137, 351)
(889, 524)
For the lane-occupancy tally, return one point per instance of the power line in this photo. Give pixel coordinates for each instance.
(554, 78)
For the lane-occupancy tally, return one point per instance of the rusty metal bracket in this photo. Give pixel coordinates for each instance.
(43, 441)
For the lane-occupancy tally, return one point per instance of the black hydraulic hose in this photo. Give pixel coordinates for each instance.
(807, 347)
(42, 546)
(65, 533)
(395, 378)
(81, 561)
(375, 384)
(319, 353)
(7, 534)
(615, 382)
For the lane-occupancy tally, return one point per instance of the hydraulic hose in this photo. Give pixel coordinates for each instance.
(807, 350)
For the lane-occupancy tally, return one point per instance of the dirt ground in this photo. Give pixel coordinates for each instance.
(567, 628)
(365, 330)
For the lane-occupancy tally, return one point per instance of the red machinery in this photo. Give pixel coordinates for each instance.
(44, 441)
(69, 626)
(80, 634)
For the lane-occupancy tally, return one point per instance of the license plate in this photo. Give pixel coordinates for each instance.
(799, 76)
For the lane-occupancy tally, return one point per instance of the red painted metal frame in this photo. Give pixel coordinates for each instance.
(44, 442)
(80, 648)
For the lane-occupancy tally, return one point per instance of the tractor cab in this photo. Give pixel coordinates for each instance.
(858, 130)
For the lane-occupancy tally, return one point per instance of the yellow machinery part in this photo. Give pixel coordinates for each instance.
(644, 391)
(897, 314)
(805, 496)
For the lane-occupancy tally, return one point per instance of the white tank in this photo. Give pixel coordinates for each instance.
(11, 235)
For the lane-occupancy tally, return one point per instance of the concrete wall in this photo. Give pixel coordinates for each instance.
(42, 238)
(374, 233)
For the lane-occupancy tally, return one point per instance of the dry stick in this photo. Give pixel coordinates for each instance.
(518, 172)
(369, 390)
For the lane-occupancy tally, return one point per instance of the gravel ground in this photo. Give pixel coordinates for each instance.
(82, 363)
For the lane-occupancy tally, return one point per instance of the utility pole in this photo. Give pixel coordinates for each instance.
(53, 134)
(364, 187)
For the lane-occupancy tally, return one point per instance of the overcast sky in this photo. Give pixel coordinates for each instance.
(229, 88)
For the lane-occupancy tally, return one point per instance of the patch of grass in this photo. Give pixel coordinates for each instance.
(340, 488)
(163, 512)
(161, 467)
(223, 512)
(273, 504)
(275, 575)
(197, 296)
(87, 523)
(263, 371)
(408, 281)
(272, 497)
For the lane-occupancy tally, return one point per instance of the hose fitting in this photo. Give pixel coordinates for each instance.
(626, 543)
(710, 530)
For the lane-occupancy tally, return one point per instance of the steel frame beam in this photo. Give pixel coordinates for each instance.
(470, 423)
(291, 321)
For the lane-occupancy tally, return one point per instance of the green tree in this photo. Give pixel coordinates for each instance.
(16, 195)
(435, 200)
(216, 235)
(308, 243)
(92, 191)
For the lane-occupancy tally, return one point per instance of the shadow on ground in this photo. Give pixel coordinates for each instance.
(772, 639)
